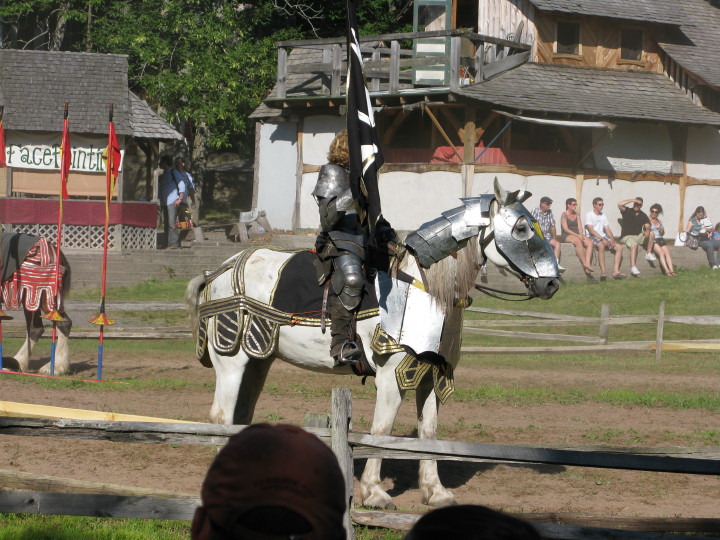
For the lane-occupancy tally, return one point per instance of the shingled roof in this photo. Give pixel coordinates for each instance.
(36, 84)
(653, 11)
(148, 124)
(696, 44)
(590, 92)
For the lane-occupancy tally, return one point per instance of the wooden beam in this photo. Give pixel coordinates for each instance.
(47, 411)
(442, 132)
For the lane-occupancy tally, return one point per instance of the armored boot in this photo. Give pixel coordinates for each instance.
(343, 347)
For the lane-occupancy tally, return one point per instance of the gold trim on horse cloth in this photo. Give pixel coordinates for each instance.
(382, 343)
(260, 337)
(411, 371)
(243, 320)
(201, 350)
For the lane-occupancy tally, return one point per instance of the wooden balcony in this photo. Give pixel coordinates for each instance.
(466, 57)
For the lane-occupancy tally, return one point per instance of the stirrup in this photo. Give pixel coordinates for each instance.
(350, 354)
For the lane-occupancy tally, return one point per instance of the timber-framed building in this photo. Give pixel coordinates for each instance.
(34, 87)
(566, 99)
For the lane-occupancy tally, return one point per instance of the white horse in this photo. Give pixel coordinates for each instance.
(240, 375)
(29, 266)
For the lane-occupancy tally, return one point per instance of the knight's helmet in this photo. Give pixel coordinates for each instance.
(333, 195)
(443, 236)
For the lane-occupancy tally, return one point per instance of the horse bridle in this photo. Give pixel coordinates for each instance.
(484, 241)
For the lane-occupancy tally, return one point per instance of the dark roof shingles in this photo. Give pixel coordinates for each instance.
(653, 11)
(36, 85)
(600, 93)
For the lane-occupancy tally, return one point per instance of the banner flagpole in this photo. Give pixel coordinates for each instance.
(111, 156)
(3, 316)
(65, 162)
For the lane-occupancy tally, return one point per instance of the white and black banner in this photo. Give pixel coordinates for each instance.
(365, 155)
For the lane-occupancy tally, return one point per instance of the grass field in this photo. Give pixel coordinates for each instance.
(692, 292)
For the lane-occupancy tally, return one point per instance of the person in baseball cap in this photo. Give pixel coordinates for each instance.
(271, 482)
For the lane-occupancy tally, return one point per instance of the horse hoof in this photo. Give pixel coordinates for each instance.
(440, 498)
(379, 500)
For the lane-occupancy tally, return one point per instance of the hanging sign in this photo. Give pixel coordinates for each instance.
(42, 151)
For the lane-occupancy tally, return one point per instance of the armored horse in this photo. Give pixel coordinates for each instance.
(411, 336)
(28, 280)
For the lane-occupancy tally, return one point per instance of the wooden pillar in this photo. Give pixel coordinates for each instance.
(468, 167)
(341, 425)
(298, 176)
(579, 181)
(682, 187)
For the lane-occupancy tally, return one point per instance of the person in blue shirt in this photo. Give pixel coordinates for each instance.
(172, 193)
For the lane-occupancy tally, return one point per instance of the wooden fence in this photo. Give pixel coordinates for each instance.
(597, 344)
(33, 494)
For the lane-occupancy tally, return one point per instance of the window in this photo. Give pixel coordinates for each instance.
(631, 44)
(568, 38)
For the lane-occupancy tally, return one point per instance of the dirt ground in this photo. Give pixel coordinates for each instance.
(292, 393)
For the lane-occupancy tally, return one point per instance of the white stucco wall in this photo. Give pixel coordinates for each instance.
(411, 199)
(703, 153)
(634, 147)
(276, 172)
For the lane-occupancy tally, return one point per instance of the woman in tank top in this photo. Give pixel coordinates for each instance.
(570, 227)
(660, 248)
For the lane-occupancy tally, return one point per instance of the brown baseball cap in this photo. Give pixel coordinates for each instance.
(267, 476)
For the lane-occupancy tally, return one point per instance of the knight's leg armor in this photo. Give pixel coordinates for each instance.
(347, 283)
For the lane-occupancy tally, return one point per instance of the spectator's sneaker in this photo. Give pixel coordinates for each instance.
(634, 271)
(650, 257)
(561, 269)
(717, 267)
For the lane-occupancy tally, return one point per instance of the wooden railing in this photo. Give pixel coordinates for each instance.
(388, 62)
(31, 494)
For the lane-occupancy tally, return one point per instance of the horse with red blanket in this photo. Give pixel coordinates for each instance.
(28, 280)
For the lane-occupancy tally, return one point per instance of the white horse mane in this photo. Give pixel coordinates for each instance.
(451, 278)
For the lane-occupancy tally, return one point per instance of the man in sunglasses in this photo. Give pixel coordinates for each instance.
(634, 230)
(597, 227)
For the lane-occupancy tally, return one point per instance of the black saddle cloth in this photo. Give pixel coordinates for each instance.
(298, 291)
(14, 248)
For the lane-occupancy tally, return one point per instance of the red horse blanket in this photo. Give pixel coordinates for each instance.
(32, 283)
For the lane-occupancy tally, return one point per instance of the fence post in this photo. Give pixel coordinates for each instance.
(659, 335)
(341, 424)
(604, 328)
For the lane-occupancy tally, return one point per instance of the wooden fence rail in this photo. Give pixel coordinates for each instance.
(347, 445)
(594, 344)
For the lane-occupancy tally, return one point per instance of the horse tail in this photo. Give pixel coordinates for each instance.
(192, 300)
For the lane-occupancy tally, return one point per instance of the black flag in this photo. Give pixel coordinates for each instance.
(365, 155)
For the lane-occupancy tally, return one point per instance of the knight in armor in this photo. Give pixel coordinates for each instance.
(341, 248)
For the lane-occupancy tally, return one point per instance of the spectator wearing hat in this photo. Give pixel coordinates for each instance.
(544, 217)
(635, 231)
(272, 482)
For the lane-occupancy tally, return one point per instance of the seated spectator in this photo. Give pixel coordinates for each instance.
(597, 228)
(634, 230)
(272, 482)
(470, 522)
(700, 226)
(570, 227)
(658, 236)
(544, 217)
